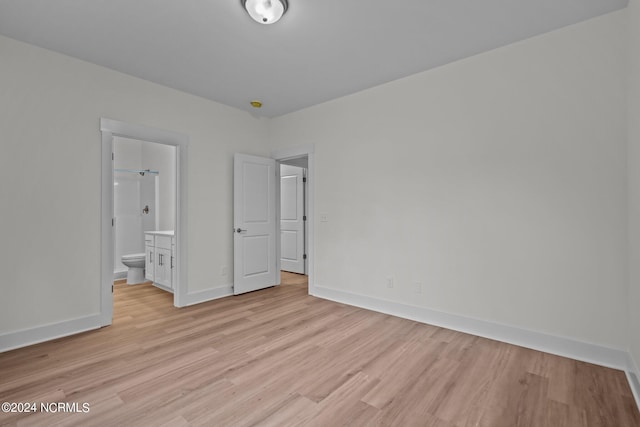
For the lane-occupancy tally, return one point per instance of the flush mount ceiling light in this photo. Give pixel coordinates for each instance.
(265, 11)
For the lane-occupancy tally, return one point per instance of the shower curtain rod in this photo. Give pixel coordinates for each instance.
(139, 171)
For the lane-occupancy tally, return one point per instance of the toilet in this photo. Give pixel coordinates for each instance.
(135, 265)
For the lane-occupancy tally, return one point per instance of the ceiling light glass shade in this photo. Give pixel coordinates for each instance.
(265, 11)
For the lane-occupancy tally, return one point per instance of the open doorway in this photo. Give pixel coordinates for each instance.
(144, 190)
(144, 202)
(256, 226)
(293, 220)
(302, 157)
(294, 279)
(170, 243)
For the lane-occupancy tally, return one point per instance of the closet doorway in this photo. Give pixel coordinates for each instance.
(293, 216)
(303, 158)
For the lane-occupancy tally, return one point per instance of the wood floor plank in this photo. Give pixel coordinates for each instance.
(413, 360)
(279, 357)
(418, 403)
(294, 413)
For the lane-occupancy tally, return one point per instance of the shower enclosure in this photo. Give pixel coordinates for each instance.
(135, 203)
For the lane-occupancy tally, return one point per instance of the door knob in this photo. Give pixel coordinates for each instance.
(240, 230)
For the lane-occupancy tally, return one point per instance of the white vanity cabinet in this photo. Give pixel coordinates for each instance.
(162, 274)
(150, 262)
(174, 270)
(160, 246)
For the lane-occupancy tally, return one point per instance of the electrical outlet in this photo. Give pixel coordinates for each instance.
(224, 271)
(417, 287)
(324, 217)
(389, 282)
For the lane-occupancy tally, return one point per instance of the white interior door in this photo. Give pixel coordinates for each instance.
(254, 216)
(292, 219)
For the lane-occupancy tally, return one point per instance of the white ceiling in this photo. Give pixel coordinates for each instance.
(320, 50)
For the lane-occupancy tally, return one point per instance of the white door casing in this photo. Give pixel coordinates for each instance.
(292, 219)
(110, 129)
(291, 154)
(254, 217)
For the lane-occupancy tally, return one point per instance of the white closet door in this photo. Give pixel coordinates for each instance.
(292, 219)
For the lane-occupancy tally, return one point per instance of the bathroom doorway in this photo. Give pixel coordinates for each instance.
(143, 193)
(144, 196)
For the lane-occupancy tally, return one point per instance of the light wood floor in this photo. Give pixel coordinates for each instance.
(279, 357)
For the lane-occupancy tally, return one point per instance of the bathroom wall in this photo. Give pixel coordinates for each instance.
(163, 159)
(132, 192)
(128, 221)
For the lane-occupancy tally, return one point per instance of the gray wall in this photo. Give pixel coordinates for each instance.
(498, 182)
(51, 108)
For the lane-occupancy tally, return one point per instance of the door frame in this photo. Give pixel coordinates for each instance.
(110, 129)
(289, 153)
(303, 200)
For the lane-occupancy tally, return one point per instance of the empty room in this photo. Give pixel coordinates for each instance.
(329, 213)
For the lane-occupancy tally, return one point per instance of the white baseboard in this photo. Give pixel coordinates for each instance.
(206, 295)
(119, 275)
(633, 376)
(567, 347)
(26, 337)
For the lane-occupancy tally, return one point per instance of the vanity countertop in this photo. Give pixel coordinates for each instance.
(161, 233)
